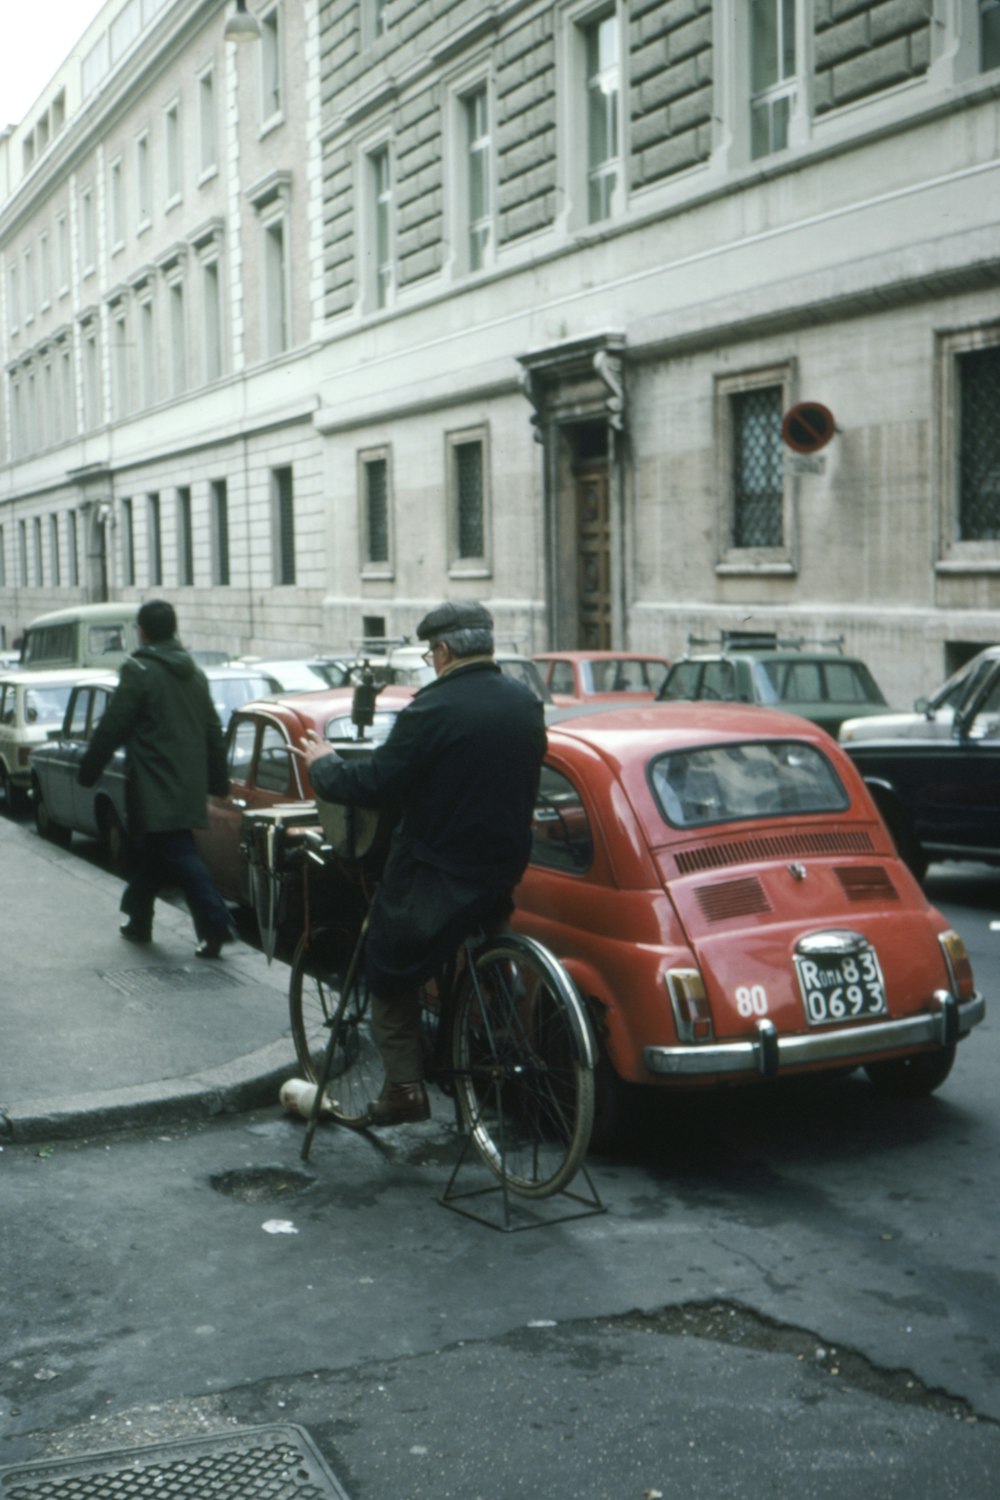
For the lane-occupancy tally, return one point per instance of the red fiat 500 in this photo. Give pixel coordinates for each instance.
(729, 902)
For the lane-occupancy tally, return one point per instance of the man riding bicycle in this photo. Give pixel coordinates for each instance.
(462, 765)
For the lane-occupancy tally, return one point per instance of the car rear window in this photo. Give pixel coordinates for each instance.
(761, 778)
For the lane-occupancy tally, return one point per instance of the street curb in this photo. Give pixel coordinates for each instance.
(245, 1083)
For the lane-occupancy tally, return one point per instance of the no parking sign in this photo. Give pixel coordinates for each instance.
(808, 426)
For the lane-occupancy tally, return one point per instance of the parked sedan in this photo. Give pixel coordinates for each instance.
(932, 718)
(62, 807)
(940, 793)
(601, 676)
(31, 705)
(823, 686)
(264, 775)
(731, 906)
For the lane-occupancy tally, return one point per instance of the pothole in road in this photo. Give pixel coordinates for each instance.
(262, 1184)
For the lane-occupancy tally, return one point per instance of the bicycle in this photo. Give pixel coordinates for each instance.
(505, 1034)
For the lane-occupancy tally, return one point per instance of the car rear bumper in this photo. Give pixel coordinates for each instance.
(769, 1054)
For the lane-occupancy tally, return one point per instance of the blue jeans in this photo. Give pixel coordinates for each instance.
(172, 858)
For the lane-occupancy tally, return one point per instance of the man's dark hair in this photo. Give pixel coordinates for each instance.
(157, 620)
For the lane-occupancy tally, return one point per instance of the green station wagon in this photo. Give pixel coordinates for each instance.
(824, 686)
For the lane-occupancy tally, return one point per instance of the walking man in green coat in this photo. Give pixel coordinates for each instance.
(162, 712)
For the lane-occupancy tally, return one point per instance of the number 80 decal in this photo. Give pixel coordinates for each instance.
(751, 1000)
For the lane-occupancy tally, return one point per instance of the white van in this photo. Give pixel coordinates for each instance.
(88, 635)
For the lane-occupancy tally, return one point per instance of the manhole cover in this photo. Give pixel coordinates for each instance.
(261, 1184)
(153, 980)
(258, 1463)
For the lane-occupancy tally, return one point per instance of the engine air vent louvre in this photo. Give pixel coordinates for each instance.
(732, 898)
(771, 846)
(867, 883)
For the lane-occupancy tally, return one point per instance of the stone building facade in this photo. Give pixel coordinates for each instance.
(553, 275)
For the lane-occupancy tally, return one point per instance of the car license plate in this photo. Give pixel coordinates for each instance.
(840, 986)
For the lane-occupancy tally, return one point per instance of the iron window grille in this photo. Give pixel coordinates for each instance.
(469, 500)
(758, 468)
(979, 446)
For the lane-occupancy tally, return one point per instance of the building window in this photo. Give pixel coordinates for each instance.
(3, 558)
(468, 501)
(44, 271)
(55, 561)
(147, 350)
(978, 455)
(13, 299)
(178, 338)
(283, 510)
(276, 329)
(91, 377)
(172, 163)
(88, 233)
(67, 402)
(376, 512)
(73, 550)
(772, 74)
(380, 198)
(128, 544)
(475, 108)
(379, 13)
(219, 495)
(755, 520)
(47, 415)
(36, 536)
(989, 34)
(62, 253)
(120, 381)
(603, 107)
(154, 540)
(29, 287)
(211, 293)
(758, 468)
(143, 183)
(185, 537)
(270, 65)
(22, 553)
(116, 204)
(207, 127)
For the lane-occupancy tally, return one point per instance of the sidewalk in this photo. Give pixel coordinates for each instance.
(97, 1034)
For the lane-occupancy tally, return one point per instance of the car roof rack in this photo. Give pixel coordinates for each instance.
(763, 640)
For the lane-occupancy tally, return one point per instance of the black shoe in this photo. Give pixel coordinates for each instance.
(212, 947)
(133, 934)
(400, 1104)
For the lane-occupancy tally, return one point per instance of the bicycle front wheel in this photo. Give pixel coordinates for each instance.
(523, 1059)
(319, 1010)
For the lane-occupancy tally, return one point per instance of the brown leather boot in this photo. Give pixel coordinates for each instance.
(400, 1104)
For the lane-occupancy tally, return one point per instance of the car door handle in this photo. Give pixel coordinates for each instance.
(237, 802)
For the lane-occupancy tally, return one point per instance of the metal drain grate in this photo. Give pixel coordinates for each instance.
(257, 1463)
(155, 981)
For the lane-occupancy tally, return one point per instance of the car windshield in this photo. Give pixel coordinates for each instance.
(761, 778)
(344, 728)
(229, 693)
(46, 705)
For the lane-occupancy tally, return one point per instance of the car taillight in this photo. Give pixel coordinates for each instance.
(956, 957)
(692, 1015)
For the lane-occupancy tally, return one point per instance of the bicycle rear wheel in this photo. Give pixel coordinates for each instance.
(318, 1010)
(523, 1059)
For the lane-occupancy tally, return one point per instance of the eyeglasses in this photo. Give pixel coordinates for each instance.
(429, 655)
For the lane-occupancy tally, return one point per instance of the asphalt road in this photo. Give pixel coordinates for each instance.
(792, 1293)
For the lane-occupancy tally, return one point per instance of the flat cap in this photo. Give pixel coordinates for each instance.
(452, 616)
